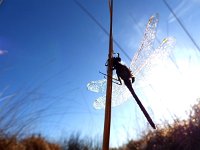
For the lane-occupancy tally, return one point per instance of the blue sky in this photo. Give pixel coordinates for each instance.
(52, 49)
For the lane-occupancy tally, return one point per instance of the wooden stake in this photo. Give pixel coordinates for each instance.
(107, 120)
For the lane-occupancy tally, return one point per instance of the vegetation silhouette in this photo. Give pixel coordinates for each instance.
(181, 135)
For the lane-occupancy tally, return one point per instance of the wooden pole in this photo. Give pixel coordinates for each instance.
(107, 119)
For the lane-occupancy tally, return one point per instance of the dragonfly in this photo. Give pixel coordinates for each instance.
(142, 60)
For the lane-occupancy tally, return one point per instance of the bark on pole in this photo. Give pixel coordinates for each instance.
(107, 119)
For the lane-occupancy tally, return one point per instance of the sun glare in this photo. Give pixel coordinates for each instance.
(175, 87)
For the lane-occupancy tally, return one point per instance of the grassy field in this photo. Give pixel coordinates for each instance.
(181, 135)
(29, 143)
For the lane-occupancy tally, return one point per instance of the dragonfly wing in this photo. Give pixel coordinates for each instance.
(163, 50)
(99, 103)
(145, 49)
(98, 86)
(120, 94)
(165, 47)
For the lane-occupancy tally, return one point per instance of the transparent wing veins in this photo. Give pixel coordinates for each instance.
(146, 45)
(142, 58)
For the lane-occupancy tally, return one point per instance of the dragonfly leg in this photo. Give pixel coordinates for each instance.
(133, 79)
(105, 75)
(119, 79)
(114, 81)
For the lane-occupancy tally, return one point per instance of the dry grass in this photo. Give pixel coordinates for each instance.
(29, 143)
(18, 115)
(182, 135)
(39, 143)
(75, 142)
(17, 118)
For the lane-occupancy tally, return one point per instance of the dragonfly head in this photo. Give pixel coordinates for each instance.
(116, 60)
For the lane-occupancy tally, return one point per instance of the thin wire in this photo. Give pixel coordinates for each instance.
(102, 28)
(181, 24)
(1, 1)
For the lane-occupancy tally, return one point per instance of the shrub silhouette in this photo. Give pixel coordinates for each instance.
(181, 135)
(29, 143)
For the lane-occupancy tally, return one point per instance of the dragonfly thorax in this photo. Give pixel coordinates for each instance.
(122, 70)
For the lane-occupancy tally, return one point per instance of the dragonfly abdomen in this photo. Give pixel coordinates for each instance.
(129, 86)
